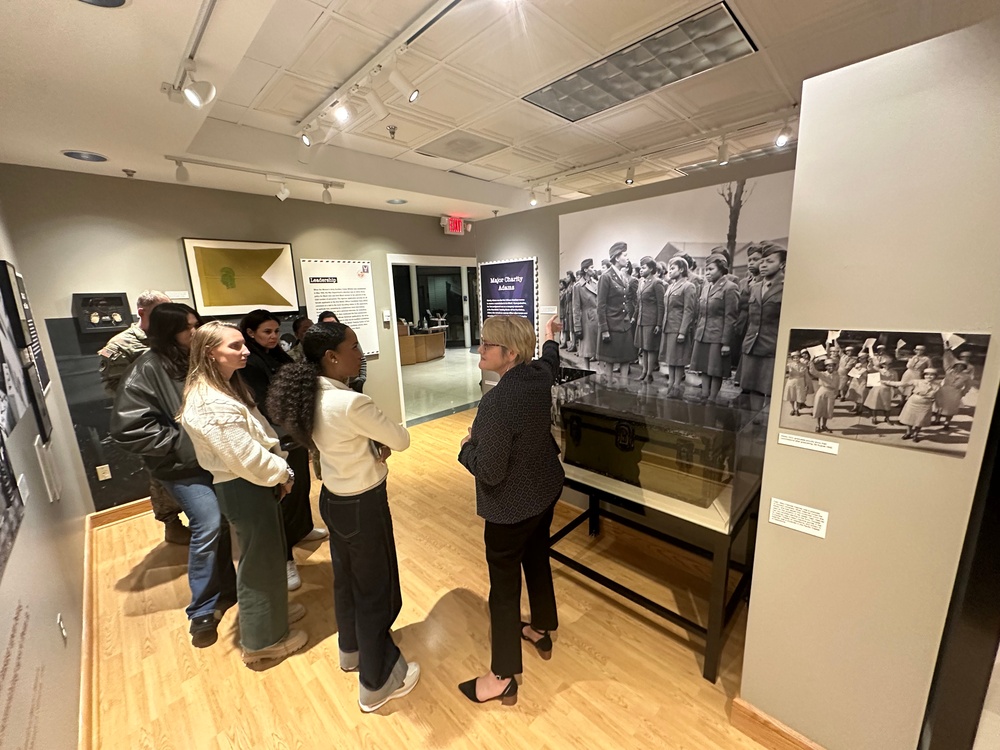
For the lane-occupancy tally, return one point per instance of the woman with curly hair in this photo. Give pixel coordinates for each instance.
(312, 400)
(235, 442)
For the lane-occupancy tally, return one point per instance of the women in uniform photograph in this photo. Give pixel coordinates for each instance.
(759, 346)
(585, 328)
(680, 306)
(879, 398)
(648, 317)
(713, 338)
(957, 382)
(826, 392)
(847, 362)
(796, 373)
(615, 312)
(915, 367)
(916, 413)
(857, 389)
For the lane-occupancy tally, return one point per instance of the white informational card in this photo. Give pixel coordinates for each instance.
(808, 443)
(874, 379)
(856, 372)
(345, 288)
(816, 351)
(832, 336)
(798, 517)
(955, 341)
(869, 343)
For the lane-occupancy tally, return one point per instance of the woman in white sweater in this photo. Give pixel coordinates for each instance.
(312, 400)
(234, 441)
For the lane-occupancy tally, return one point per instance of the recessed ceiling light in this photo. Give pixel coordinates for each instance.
(396, 201)
(84, 155)
(105, 3)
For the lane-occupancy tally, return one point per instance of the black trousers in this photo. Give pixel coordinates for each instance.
(509, 548)
(296, 512)
(365, 579)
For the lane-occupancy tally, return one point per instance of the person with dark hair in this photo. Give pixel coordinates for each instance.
(585, 328)
(235, 442)
(713, 336)
(760, 341)
(680, 305)
(299, 327)
(312, 400)
(743, 287)
(260, 330)
(144, 422)
(615, 312)
(515, 460)
(357, 382)
(648, 317)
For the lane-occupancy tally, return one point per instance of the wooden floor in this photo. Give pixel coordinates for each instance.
(619, 677)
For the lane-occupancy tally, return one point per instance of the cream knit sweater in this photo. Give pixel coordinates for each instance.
(232, 440)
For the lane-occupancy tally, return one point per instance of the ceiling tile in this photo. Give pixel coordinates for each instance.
(608, 32)
(288, 23)
(451, 97)
(479, 172)
(517, 122)
(597, 154)
(511, 161)
(585, 182)
(458, 25)
(566, 142)
(412, 65)
(637, 116)
(246, 83)
(387, 17)
(434, 162)
(227, 112)
(693, 155)
(273, 123)
(410, 131)
(741, 81)
(291, 96)
(522, 51)
(368, 144)
(461, 146)
(771, 20)
(338, 50)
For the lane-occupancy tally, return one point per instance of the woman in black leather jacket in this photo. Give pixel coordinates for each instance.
(143, 422)
(260, 331)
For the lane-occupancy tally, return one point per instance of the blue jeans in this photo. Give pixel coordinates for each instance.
(211, 574)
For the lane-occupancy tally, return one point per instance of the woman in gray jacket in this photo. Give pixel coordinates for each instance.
(144, 423)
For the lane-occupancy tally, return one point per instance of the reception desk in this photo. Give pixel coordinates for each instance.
(421, 347)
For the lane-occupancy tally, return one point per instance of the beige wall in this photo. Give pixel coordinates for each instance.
(895, 227)
(78, 233)
(44, 575)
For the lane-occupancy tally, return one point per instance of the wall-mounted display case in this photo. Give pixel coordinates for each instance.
(700, 462)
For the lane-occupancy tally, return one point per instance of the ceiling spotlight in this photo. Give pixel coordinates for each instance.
(84, 155)
(198, 93)
(403, 86)
(723, 158)
(181, 174)
(327, 198)
(784, 136)
(532, 200)
(283, 193)
(630, 176)
(306, 139)
(548, 193)
(378, 106)
(342, 113)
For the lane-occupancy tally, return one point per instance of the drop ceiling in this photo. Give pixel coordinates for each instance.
(80, 77)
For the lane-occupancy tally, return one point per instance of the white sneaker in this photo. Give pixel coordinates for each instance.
(293, 575)
(409, 682)
(317, 534)
(296, 612)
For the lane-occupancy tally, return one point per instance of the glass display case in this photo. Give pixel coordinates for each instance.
(699, 461)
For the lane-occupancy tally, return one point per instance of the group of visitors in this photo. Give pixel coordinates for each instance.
(225, 420)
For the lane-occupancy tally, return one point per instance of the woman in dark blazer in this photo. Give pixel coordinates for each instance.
(585, 328)
(515, 460)
(260, 331)
(648, 316)
(680, 308)
(763, 312)
(616, 311)
(714, 333)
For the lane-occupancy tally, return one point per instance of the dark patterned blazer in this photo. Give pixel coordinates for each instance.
(511, 452)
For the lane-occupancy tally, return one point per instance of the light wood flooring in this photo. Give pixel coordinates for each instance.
(619, 677)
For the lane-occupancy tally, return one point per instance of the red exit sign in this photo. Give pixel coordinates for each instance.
(453, 225)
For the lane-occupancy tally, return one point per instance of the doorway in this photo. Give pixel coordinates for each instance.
(436, 314)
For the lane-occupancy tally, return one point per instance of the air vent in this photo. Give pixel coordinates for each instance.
(459, 145)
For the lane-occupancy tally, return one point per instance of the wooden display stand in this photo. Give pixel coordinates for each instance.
(421, 347)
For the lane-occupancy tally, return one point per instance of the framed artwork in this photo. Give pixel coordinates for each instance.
(233, 278)
(12, 307)
(36, 393)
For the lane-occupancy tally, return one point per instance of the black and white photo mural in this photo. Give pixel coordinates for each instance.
(905, 389)
(679, 295)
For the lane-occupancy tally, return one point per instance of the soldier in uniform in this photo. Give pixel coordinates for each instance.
(584, 301)
(616, 311)
(116, 357)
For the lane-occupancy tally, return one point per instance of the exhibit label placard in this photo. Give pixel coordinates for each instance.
(797, 517)
(509, 287)
(809, 443)
(345, 288)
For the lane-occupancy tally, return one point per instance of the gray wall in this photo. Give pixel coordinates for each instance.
(44, 575)
(894, 227)
(79, 233)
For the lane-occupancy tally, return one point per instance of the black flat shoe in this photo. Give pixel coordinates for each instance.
(543, 644)
(508, 697)
(204, 631)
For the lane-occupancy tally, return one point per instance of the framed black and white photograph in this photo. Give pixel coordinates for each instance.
(11, 508)
(233, 278)
(14, 399)
(38, 405)
(905, 389)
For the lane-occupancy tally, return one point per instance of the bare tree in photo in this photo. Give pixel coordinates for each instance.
(736, 196)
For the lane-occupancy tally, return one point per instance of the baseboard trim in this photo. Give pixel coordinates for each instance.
(119, 513)
(88, 647)
(767, 731)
